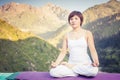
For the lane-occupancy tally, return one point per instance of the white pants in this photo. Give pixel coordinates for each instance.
(63, 71)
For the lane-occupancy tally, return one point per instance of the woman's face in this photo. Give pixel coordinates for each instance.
(75, 21)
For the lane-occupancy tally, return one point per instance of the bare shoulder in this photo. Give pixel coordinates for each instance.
(65, 36)
(89, 33)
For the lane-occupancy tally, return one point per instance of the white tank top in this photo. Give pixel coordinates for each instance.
(78, 51)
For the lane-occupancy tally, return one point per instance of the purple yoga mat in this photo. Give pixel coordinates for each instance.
(46, 76)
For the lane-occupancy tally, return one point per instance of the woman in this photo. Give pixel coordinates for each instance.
(76, 41)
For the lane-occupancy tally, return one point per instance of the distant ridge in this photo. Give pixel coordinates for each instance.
(101, 11)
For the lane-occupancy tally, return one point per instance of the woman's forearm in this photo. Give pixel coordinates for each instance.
(94, 55)
(95, 58)
(60, 58)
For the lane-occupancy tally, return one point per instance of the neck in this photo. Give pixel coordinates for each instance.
(77, 29)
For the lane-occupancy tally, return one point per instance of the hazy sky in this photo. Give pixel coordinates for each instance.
(80, 5)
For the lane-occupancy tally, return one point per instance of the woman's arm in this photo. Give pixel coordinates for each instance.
(62, 53)
(93, 51)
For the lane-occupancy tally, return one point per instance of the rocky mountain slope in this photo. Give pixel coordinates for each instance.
(37, 20)
(43, 20)
(101, 11)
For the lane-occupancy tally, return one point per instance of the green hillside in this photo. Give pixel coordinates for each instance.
(109, 53)
(107, 38)
(105, 27)
(20, 51)
(23, 55)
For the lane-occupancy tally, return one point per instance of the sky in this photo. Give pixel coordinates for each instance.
(80, 5)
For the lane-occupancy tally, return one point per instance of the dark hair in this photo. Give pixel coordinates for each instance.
(77, 13)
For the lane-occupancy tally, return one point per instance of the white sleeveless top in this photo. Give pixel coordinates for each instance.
(78, 51)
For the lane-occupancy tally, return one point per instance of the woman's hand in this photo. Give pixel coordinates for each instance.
(53, 64)
(95, 64)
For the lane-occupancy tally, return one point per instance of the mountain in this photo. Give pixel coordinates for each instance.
(105, 27)
(49, 22)
(34, 19)
(101, 11)
(23, 51)
(104, 22)
(106, 33)
(28, 18)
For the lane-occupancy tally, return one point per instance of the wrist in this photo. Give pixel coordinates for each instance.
(57, 63)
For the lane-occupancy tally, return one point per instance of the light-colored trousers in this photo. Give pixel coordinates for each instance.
(64, 71)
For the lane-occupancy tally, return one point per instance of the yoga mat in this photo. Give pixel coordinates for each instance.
(4, 75)
(46, 76)
(13, 76)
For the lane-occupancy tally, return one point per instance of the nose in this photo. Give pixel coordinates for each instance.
(72, 21)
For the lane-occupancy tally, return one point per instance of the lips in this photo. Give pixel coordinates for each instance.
(72, 24)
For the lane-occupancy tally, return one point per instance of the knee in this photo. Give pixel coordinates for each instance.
(94, 72)
(53, 73)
